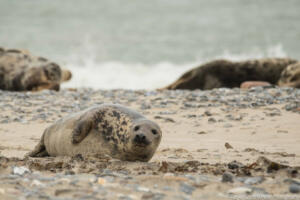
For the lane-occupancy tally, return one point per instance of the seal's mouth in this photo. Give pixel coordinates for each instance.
(141, 145)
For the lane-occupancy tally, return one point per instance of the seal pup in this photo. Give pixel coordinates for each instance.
(21, 71)
(225, 73)
(108, 129)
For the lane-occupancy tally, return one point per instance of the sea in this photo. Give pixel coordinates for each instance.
(142, 44)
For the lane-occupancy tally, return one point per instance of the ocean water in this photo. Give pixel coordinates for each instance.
(141, 44)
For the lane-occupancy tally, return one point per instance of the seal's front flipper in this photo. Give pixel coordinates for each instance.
(81, 130)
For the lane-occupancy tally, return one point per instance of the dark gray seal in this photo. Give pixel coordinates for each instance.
(225, 73)
(107, 129)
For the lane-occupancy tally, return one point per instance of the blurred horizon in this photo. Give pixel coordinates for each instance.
(140, 44)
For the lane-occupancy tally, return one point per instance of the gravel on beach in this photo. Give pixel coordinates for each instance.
(175, 173)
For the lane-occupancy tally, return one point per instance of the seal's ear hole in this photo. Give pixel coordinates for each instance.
(154, 131)
(136, 128)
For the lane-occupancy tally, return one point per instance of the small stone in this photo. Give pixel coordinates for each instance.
(235, 165)
(254, 180)
(61, 191)
(259, 191)
(228, 146)
(145, 106)
(227, 125)
(20, 170)
(227, 177)
(250, 84)
(37, 183)
(123, 197)
(202, 132)
(240, 191)
(212, 120)
(207, 113)
(187, 189)
(294, 188)
(101, 181)
(142, 189)
(153, 196)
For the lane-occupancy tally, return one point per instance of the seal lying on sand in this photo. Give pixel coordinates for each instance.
(290, 76)
(20, 71)
(224, 73)
(107, 129)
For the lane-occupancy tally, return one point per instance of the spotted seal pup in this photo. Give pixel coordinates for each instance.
(225, 73)
(108, 129)
(21, 71)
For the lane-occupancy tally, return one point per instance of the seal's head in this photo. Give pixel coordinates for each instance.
(290, 77)
(144, 139)
(48, 76)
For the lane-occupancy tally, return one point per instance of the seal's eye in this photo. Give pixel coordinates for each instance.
(154, 131)
(136, 128)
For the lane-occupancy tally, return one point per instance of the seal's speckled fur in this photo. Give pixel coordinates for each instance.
(107, 129)
(290, 76)
(20, 71)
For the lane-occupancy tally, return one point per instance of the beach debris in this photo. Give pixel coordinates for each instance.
(267, 165)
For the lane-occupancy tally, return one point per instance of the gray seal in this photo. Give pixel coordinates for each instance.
(108, 129)
(21, 71)
(225, 73)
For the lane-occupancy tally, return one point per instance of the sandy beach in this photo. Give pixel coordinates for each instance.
(217, 144)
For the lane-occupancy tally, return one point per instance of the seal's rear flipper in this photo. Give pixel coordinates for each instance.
(39, 150)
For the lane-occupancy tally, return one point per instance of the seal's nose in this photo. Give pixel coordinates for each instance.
(140, 138)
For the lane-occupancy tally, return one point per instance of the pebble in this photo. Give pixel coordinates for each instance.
(59, 102)
(187, 189)
(294, 188)
(101, 181)
(227, 177)
(20, 170)
(123, 197)
(240, 191)
(142, 189)
(235, 165)
(254, 180)
(37, 183)
(259, 191)
(153, 196)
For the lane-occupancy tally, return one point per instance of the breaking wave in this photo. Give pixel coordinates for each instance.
(87, 72)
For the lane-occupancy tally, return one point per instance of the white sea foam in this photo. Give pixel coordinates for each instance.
(115, 75)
